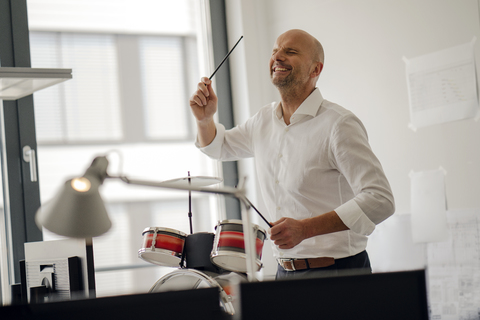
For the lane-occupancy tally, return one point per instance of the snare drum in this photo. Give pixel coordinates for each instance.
(229, 248)
(162, 246)
(186, 279)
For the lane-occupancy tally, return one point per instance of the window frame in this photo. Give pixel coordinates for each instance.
(21, 195)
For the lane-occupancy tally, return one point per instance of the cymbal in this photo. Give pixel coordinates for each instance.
(195, 181)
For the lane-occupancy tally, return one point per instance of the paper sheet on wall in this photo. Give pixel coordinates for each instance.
(454, 269)
(390, 246)
(442, 86)
(428, 205)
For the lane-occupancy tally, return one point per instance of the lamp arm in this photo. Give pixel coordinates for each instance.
(234, 192)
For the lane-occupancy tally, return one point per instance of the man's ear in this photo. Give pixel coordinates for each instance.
(318, 69)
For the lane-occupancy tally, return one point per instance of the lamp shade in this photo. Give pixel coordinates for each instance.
(78, 210)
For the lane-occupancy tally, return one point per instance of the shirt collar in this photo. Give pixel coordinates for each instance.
(309, 106)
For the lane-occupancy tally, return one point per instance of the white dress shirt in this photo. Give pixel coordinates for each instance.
(320, 162)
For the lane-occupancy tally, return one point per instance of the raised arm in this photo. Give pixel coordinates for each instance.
(203, 104)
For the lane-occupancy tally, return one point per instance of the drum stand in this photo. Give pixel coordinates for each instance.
(190, 204)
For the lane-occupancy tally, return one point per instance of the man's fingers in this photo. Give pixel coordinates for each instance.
(284, 244)
(197, 100)
(206, 83)
(203, 89)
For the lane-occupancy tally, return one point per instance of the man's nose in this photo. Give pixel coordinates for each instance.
(278, 56)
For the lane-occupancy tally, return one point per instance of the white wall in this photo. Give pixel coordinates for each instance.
(364, 43)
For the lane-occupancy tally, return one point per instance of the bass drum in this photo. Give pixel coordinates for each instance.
(186, 279)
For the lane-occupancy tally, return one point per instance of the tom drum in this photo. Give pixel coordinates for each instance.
(162, 246)
(229, 249)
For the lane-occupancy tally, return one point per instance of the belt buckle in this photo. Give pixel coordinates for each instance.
(291, 260)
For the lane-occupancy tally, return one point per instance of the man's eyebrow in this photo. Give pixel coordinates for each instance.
(286, 49)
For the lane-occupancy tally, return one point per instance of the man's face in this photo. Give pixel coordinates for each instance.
(291, 60)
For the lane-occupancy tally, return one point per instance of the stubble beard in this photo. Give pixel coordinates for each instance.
(287, 85)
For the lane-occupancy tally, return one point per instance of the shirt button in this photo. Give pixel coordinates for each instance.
(286, 129)
(278, 208)
(277, 182)
(280, 155)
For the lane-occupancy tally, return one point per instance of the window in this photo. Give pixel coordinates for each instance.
(86, 108)
(129, 93)
(165, 68)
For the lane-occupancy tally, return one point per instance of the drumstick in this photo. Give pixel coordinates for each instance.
(225, 58)
(251, 205)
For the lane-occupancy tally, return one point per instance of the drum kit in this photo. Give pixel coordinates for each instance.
(202, 259)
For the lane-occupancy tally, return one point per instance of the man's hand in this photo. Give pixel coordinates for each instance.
(204, 105)
(204, 101)
(287, 232)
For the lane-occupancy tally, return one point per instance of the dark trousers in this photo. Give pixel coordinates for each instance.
(357, 264)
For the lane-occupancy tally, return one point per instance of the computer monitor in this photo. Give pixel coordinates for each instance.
(395, 295)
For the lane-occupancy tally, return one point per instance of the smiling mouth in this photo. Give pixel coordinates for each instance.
(280, 69)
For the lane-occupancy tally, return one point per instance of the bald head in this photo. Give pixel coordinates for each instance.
(316, 47)
(296, 63)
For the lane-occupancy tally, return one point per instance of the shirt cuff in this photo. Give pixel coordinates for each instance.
(354, 218)
(214, 148)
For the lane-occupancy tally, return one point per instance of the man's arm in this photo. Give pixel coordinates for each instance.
(287, 232)
(373, 200)
(203, 104)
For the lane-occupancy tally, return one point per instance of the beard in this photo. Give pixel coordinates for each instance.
(289, 82)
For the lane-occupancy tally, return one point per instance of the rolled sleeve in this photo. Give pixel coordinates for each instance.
(354, 218)
(214, 149)
(373, 200)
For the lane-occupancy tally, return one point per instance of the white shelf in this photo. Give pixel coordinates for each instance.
(16, 83)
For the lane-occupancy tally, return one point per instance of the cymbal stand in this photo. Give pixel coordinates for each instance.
(190, 204)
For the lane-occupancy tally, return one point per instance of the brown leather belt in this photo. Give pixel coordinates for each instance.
(303, 264)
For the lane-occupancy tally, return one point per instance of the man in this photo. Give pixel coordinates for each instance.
(321, 182)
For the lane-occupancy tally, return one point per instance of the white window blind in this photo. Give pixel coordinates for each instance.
(114, 246)
(49, 111)
(114, 16)
(88, 106)
(164, 87)
(173, 215)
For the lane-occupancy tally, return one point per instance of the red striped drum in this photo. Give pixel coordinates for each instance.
(229, 248)
(162, 246)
